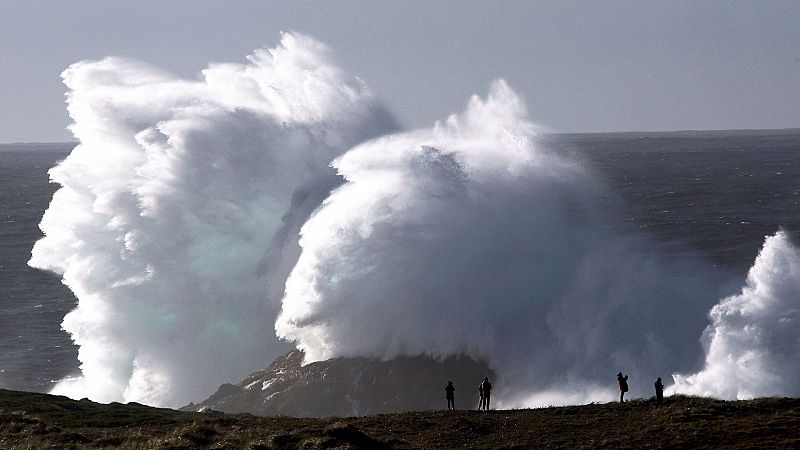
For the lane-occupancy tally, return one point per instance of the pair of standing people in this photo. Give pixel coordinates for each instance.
(485, 390)
(623, 388)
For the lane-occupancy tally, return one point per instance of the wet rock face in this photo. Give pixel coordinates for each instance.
(349, 387)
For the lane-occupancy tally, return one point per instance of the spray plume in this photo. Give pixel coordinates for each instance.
(467, 238)
(753, 342)
(176, 227)
(173, 224)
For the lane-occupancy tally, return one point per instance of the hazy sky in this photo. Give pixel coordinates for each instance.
(581, 66)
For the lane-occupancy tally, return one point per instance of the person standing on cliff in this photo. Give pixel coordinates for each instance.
(450, 394)
(623, 386)
(659, 391)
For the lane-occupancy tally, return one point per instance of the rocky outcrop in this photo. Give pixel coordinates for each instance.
(349, 387)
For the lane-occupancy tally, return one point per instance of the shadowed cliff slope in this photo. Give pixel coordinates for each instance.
(348, 387)
(29, 420)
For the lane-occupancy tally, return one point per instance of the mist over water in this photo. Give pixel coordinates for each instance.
(177, 221)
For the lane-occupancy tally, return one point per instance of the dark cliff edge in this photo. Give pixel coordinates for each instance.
(349, 387)
(31, 420)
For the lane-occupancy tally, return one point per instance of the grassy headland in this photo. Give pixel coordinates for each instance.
(29, 420)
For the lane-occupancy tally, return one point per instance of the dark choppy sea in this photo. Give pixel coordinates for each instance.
(711, 194)
(33, 349)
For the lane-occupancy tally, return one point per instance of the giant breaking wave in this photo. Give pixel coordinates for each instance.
(177, 222)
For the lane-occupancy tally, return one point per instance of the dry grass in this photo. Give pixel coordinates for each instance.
(36, 421)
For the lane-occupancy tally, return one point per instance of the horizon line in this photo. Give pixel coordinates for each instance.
(688, 130)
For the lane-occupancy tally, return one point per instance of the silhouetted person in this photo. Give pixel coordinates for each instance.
(450, 393)
(486, 389)
(483, 400)
(659, 391)
(623, 386)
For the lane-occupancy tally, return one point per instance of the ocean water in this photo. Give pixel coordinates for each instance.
(711, 194)
(34, 351)
(718, 193)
